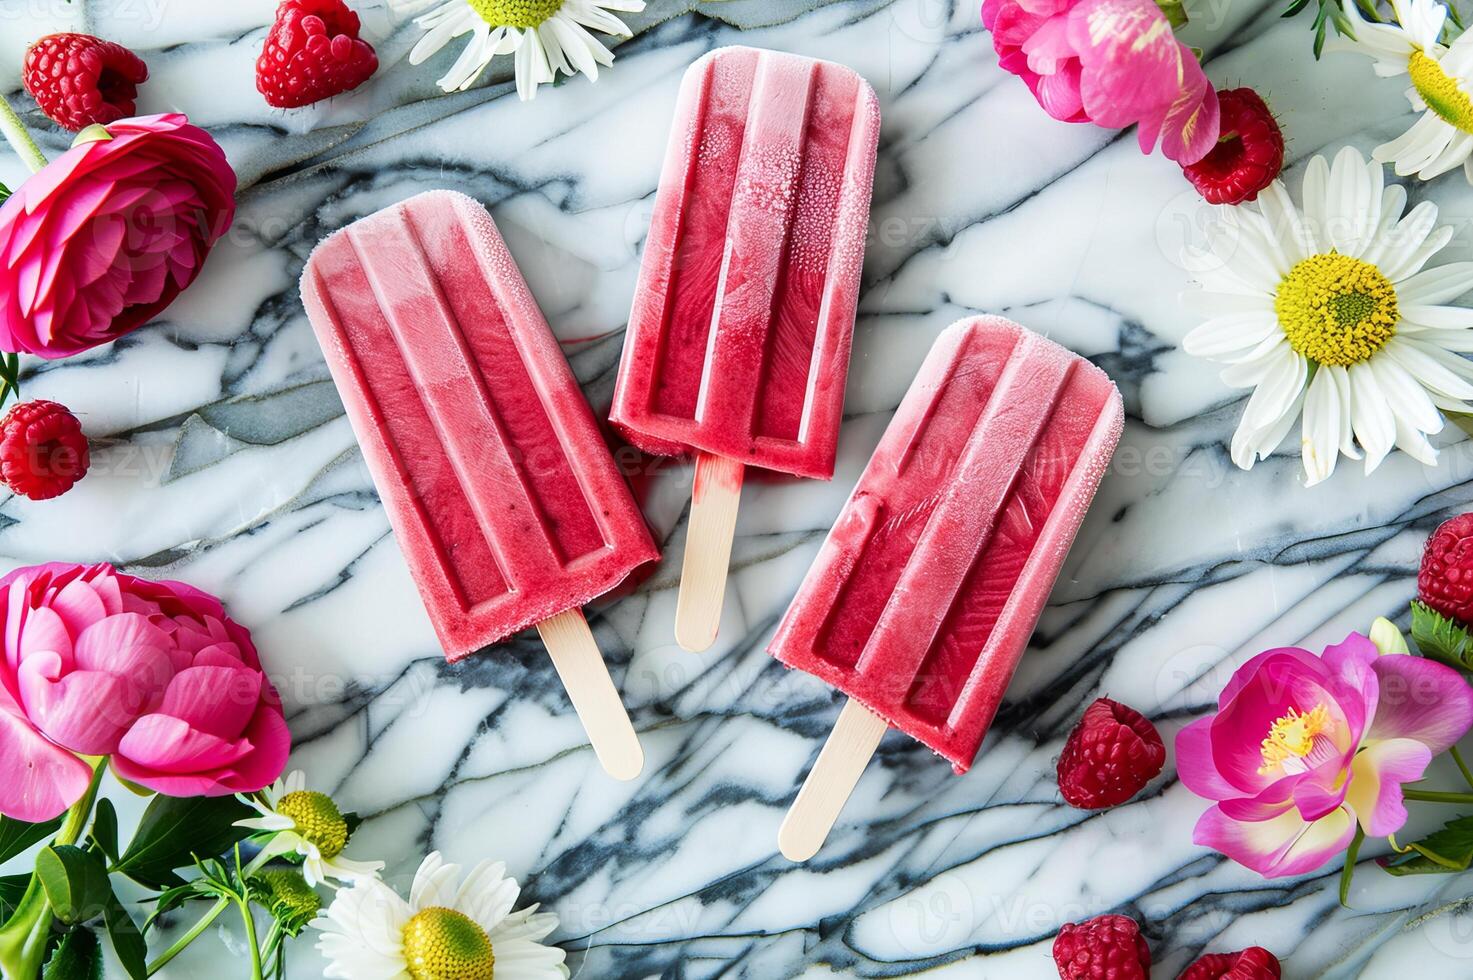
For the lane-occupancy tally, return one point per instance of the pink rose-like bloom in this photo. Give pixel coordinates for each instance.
(1109, 62)
(153, 674)
(1304, 747)
(105, 237)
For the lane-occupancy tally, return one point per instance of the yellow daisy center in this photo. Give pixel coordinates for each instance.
(1336, 310)
(443, 944)
(515, 13)
(1292, 736)
(1440, 91)
(318, 820)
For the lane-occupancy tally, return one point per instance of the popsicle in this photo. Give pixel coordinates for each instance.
(738, 342)
(924, 596)
(499, 488)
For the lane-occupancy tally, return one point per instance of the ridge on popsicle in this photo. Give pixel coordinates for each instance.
(924, 596)
(498, 485)
(739, 337)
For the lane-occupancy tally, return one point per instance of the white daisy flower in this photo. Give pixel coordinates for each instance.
(1441, 76)
(1326, 311)
(310, 824)
(444, 930)
(547, 37)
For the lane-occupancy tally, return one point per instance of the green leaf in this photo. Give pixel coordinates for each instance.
(75, 881)
(77, 957)
(17, 835)
(4, 193)
(170, 899)
(127, 940)
(1348, 872)
(1175, 11)
(1440, 638)
(12, 890)
(105, 828)
(173, 832)
(1445, 851)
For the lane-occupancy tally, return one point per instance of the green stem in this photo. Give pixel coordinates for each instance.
(189, 937)
(209, 917)
(19, 137)
(1457, 757)
(250, 928)
(81, 811)
(1428, 796)
(23, 938)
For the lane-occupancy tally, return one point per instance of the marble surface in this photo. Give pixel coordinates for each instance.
(223, 457)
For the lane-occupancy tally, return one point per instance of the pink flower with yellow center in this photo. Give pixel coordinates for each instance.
(1303, 748)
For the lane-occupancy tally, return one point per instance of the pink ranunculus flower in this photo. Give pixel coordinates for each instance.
(105, 237)
(1304, 747)
(154, 674)
(1110, 62)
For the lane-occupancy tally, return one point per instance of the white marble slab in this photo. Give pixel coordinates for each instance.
(224, 459)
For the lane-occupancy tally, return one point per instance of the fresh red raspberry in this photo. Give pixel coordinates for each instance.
(79, 80)
(1248, 156)
(42, 449)
(313, 53)
(1110, 756)
(1107, 947)
(1445, 581)
(1253, 963)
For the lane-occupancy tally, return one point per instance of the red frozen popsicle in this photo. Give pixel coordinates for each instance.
(924, 596)
(499, 487)
(738, 344)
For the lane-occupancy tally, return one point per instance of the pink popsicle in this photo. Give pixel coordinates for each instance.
(503, 495)
(925, 595)
(738, 343)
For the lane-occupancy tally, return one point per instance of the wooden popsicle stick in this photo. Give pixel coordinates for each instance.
(581, 666)
(713, 513)
(854, 739)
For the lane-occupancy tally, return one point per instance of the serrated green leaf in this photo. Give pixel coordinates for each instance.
(173, 832)
(77, 957)
(1440, 638)
(1446, 851)
(75, 881)
(105, 828)
(127, 940)
(17, 835)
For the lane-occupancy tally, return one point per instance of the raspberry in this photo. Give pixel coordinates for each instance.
(1110, 756)
(79, 80)
(313, 53)
(1107, 947)
(1248, 156)
(42, 449)
(1445, 581)
(1253, 963)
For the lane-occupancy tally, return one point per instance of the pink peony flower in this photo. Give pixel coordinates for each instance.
(1110, 62)
(153, 674)
(1304, 747)
(105, 237)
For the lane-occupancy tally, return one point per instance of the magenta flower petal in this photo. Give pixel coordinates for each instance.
(39, 778)
(1423, 700)
(1195, 765)
(1281, 846)
(1376, 780)
(106, 236)
(214, 699)
(153, 673)
(86, 711)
